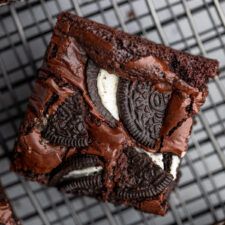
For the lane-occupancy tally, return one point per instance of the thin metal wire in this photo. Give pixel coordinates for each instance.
(121, 219)
(187, 47)
(184, 206)
(203, 177)
(101, 10)
(149, 28)
(54, 207)
(157, 22)
(76, 7)
(202, 158)
(46, 12)
(9, 85)
(37, 25)
(22, 35)
(25, 185)
(197, 146)
(201, 187)
(119, 15)
(15, 52)
(72, 211)
(205, 123)
(174, 210)
(189, 201)
(215, 143)
(137, 19)
(200, 44)
(88, 212)
(34, 201)
(108, 213)
(214, 25)
(220, 11)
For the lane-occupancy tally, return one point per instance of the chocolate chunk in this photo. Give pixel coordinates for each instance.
(142, 177)
(66, 127)
(75, 162)
(91, 78)
(142, 110)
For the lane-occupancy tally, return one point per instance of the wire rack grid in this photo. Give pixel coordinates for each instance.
(196, 26)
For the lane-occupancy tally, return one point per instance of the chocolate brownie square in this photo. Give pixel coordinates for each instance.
(111, 114)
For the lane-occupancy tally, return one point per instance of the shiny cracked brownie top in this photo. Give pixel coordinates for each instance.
(109, 115)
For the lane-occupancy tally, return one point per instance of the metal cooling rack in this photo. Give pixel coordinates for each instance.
(197, 26)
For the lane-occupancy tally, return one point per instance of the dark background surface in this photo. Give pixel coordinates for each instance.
(196, 26)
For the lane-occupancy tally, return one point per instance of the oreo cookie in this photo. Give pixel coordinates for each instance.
(67, 127)
(89, 185)
(92, 71)
(141, 109)
(75, 162)
(142, 178)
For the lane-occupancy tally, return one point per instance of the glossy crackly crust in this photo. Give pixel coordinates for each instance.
(44, 142)
(117, 51)
(7, 216)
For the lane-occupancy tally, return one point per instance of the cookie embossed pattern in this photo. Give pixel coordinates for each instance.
(111, 114)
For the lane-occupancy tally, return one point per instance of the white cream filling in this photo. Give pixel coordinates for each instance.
(157, 158)
(107, 84)
(83, 172)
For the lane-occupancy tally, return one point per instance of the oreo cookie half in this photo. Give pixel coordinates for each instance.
(88, 185)
(66, 127)
(141, 109)
(142, 178)
(79, 174)
(92, 71)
